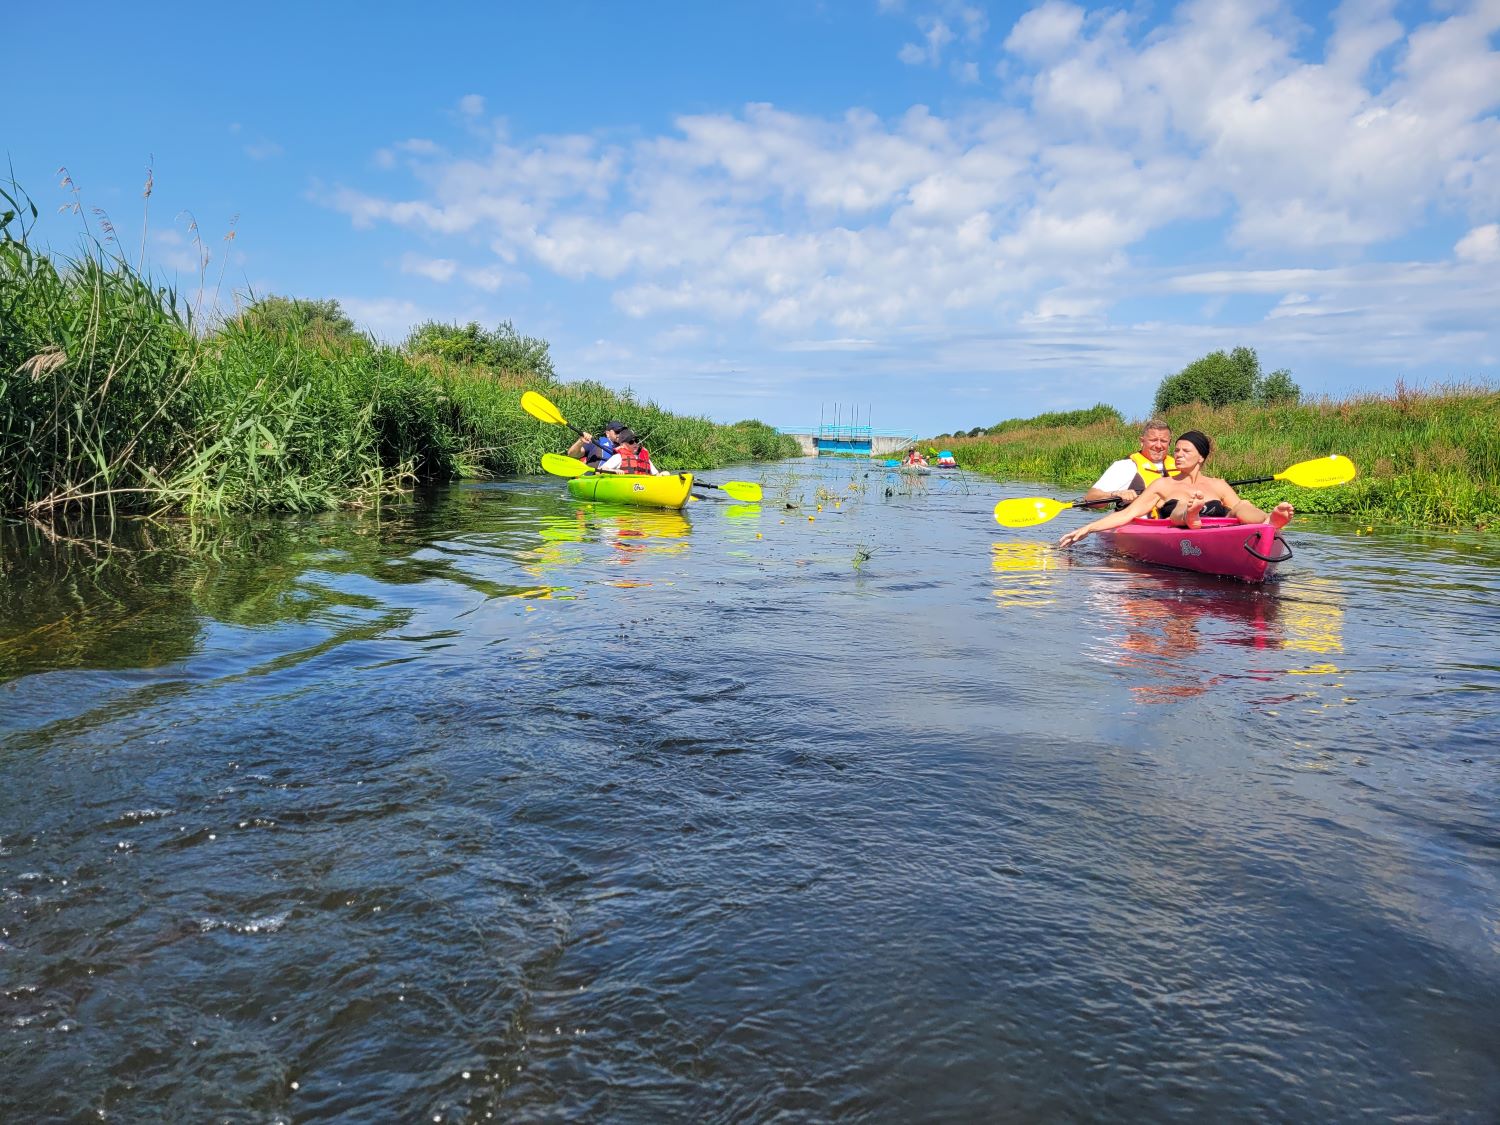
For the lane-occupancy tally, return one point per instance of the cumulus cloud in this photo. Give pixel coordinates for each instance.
(1035, 213)
(1482, 244)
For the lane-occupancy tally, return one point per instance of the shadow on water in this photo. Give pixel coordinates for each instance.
(847, 805)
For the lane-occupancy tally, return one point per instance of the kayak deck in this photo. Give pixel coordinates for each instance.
(1223, 546)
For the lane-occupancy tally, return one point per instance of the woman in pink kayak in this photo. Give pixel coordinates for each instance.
(1186, 497)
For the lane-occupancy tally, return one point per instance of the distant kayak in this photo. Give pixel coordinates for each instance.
(670, 491)
(1226, 547)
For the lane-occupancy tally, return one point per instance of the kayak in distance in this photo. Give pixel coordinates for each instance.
(1222, 546)
(670, 491)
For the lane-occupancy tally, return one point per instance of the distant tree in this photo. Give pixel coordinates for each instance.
(296, 316)
(1060, 419)
(1277, 387)
(503, 349)
(1215, 380)
(976, 431)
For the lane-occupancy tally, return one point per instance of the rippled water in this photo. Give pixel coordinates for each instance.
(506, 806)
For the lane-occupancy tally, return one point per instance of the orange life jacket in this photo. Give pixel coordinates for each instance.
(636, 463)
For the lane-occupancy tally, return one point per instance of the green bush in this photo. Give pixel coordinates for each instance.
(1221, 378)
(503, 349)
(1099, 412)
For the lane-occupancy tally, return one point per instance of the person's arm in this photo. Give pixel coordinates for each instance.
(610, 466)
(1246, 512)
(1114, 484)
(576, 449)
(1140, 506)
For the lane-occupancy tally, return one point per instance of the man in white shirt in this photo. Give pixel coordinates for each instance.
(1127, 478)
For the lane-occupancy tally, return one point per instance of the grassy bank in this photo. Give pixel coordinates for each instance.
(112, 399)
(1424, 456)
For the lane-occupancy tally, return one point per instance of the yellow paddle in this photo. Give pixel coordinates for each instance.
(1320, 472)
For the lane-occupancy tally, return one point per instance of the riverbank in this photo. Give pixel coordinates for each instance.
(112, 397)
(1428, 456)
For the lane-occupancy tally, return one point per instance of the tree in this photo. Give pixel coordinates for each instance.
(1277, 387)
(1215, 380)
(295, 316)
(504, 349)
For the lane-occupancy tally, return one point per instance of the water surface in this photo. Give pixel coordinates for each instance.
(499, 805)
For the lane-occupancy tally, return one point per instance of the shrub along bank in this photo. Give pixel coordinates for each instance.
(111, 398)
(1429, 456)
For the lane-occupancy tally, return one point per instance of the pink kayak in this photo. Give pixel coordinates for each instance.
(1247, 551)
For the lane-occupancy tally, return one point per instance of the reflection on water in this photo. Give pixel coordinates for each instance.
(1025, 573)
(502, 806)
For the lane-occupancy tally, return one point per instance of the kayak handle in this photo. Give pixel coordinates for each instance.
(1282, 543)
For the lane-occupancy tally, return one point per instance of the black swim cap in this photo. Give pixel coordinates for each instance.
(1200, 442)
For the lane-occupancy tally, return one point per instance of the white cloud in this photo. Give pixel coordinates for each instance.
(387, 318)
(471, 105)
(434, 269)
(1030, 218)
(936, 35)
(1482, 244)
(1045, 32)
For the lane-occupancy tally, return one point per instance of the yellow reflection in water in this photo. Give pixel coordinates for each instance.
(1316, 625)
(1025, 575)
(1315, 670)
(644, 523)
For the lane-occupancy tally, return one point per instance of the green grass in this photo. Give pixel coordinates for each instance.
(112, 399)
(1429, 456)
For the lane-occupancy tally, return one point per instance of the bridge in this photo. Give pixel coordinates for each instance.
(857, 440)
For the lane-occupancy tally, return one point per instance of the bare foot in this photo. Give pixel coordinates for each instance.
(1281, 515)
(1190, 516)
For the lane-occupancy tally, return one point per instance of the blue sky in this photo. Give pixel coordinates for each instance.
(947, 213)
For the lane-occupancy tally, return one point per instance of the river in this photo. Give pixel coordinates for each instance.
(849, 806)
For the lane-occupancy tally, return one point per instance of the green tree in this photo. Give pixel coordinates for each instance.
(504, 349)
(296, 316)
(1217, 379)
(1277, 387)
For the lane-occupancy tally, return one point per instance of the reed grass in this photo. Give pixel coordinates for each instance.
(112, 397)
(1425, 455)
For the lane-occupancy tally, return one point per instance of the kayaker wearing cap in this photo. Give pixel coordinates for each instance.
(630, 456)
(1128, 477)
(594, 451)
(1186, 497)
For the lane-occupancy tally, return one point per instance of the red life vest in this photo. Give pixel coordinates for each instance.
(636, 463)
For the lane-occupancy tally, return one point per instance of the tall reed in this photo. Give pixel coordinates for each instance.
(95, 363)
(110, 397)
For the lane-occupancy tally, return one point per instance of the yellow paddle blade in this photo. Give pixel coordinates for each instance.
(1321, 472)
(560, 466)
(1027, 511)
(539, 407)
(745, 490)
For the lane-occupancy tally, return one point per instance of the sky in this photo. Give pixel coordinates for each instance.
(934, 214)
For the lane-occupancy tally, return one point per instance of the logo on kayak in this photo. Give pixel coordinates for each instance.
(638, 487)
(1189, 549)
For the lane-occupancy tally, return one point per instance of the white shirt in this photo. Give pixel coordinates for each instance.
(1120, 475)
